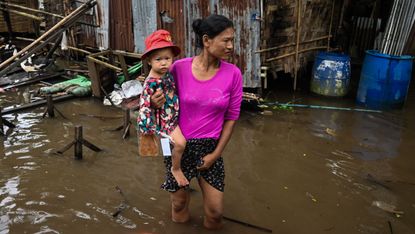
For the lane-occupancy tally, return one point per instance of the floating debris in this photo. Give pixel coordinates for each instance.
(387, 207)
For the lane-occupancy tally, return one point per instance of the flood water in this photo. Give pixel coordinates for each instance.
(296, 171)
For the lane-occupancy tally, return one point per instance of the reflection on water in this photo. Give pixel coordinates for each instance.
(301, 171)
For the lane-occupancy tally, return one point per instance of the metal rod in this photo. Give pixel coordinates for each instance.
(400, 27)
(407, 31)
(396, 26)
(388, 30)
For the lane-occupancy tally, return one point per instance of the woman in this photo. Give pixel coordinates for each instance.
(210, 95)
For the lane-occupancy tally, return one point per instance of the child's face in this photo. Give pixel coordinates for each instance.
(161, 60)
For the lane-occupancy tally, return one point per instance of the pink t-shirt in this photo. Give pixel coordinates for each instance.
(205, 105)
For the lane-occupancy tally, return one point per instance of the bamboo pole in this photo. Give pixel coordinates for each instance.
(105, 64)
(293, 53)
(67, 20)
(331, 25)
(30, 9)
(22, 14)
(51, 43)
(293, 44)
(297, 45)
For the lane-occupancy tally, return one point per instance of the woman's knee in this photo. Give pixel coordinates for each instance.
(178, 204)
(214, 213)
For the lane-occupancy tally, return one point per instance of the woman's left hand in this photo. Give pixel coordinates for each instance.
(208, 160)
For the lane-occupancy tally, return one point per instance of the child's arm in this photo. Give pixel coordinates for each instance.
(146, 119)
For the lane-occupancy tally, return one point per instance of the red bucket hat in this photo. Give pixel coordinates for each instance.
(158, 40)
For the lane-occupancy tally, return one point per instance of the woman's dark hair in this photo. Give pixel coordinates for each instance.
(211, 26)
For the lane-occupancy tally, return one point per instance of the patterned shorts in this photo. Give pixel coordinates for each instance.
(193, 155)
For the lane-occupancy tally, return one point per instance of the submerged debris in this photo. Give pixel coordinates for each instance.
(387, 207)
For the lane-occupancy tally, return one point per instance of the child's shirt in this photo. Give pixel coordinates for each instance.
(164, 119)
(205, 105)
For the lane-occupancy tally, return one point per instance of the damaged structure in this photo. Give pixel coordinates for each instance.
(273, 37)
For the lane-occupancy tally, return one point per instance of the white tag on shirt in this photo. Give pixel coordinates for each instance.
(165, 146)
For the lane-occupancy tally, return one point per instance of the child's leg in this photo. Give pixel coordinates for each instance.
(179, 145)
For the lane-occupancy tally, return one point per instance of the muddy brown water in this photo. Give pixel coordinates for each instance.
(300, 171)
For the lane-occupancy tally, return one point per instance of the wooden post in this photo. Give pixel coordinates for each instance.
(51, 112)
(126, 125)
(123, 66)
(6, 17)
(78, 142)
(331, 25)
(299, 2)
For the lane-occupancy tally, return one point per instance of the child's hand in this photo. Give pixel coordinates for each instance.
(157, 99)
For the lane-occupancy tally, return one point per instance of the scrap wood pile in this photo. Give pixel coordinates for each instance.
(38, 62)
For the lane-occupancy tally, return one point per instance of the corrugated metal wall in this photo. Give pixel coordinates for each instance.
(144, 21)
(121, 28)
(170, 17)
(179, 15)
(244, 15)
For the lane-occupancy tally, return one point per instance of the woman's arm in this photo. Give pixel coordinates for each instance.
(223, 141)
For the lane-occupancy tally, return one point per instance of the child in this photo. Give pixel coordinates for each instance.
(159, 53)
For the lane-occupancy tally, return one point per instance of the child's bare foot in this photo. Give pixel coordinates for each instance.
(179, 177)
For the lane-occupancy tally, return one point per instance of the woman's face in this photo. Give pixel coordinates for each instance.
(221, 46)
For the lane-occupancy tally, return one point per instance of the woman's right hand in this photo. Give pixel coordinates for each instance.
(157, 99)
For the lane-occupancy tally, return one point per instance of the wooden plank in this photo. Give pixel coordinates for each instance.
(123, 66)
(95, 79)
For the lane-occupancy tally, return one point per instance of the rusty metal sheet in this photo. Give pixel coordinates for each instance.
(145, 21)
(170, 17)
(245, 16)
(121, 29)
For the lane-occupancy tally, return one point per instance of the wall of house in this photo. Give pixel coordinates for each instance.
(20, 24)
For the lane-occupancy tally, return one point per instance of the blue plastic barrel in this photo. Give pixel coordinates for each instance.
(384, 80)
(331, 74)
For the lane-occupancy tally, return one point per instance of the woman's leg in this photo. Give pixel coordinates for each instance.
(212, 204)
(180, 206)
(179, 146)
